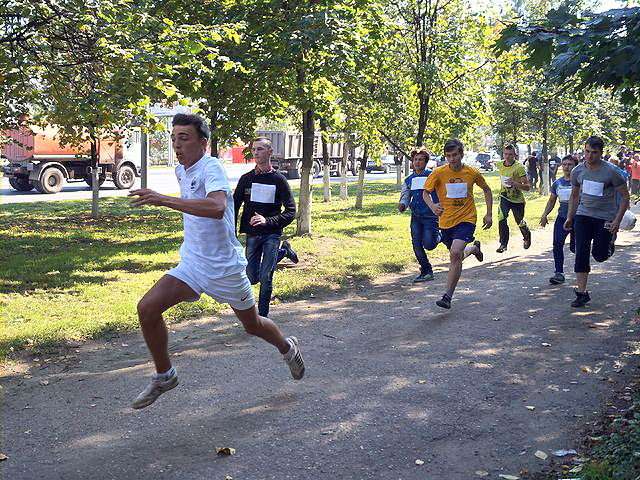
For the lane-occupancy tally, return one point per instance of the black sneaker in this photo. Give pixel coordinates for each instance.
(423, 277)
(612, 245)
(557, 279)
(479, 255)
(444, 302)
(289, 252)
(582, 298)
(501, 249)
(527, 242)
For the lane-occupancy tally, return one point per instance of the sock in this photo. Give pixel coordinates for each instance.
(165, 375)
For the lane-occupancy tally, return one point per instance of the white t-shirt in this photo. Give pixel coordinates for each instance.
(210, 246)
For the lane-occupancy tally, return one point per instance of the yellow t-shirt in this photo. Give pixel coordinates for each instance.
(455, 193)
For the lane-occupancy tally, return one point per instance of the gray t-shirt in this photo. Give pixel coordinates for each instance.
(597, 190)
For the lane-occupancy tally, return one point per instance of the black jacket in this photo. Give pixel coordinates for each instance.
(278, 214)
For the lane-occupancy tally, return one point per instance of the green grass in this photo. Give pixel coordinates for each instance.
(64, 276)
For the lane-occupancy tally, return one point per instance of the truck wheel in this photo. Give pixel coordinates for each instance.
(125, 177)
(21, 184)
(101, 180)
(316, 170)
(51, 181)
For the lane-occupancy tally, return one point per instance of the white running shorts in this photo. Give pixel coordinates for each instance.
(233, 289)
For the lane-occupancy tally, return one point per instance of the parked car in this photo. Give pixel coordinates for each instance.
(385, 164)
(484, 161)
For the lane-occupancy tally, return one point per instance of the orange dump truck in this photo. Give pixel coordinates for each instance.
(37, 160)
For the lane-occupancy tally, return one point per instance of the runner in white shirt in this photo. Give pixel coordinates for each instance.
(212, 259)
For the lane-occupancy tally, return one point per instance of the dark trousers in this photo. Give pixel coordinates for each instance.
(533, 177)
(590, 230)
(559, 237)
(263, 254)
(518, 214)
(425, 235)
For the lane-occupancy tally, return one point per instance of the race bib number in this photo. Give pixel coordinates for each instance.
(456, 190)
(564, 194)
(593, 188)
(417, 183)
(261, 193)
(506, 181)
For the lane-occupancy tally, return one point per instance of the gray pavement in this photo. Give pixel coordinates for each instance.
(390, 380)
(161, 179)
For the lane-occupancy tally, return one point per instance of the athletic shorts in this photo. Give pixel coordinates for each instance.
(233, 289)
(463, 231)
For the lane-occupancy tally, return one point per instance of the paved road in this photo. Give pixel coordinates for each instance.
(391, 380)
(161, 179)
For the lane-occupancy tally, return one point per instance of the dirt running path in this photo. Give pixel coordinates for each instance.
(391, 379)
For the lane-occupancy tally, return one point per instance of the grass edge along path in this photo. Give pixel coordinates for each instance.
(66, 277)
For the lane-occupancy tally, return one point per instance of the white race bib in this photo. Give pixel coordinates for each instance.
(564, 193)
(593, 188)
(457, 190)
(262, 193)
(417, 183)
(506, 181)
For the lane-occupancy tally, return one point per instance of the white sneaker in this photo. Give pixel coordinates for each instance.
(156, 388)
(293, 359)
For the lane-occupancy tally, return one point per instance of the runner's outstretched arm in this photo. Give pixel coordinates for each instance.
(435, 207)
(574, 199)
(488, 199)
(213, 206)
(547, 210)
(624, 206)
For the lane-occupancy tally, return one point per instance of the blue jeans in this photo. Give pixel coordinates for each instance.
(263, 254)
(425, 235)
(559, 237)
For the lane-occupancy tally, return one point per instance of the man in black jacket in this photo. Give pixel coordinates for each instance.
(268, 208)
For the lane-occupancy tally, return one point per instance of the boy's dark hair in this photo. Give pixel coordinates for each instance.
(510, 147)
(263, 140)
(595, 142)
(419, 150)
(570, 157)
(453, 143)
(198, 122)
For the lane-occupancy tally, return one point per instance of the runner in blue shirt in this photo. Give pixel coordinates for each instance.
(425, 234)
(561, 190)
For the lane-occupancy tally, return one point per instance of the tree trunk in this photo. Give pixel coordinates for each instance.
(326, 170)
(303, 226)
(544, 184)
(95, 178)
(215, 139)
(407, 166)
(571, 143)
(363, 168)
(398, 165)
(344, 191)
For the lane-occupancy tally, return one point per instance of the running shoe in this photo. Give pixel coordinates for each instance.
(557, 279)
(423, 277)
(157, 387)
(501, 249)
(293, 358)
(479, 255)
(527, 242)
(444, 302)
(582, 298)
(289, 251)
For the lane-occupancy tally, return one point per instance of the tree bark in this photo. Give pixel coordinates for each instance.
(95, 178)
(303, 225)
(344, 191)
(215, 139)
(363, 168)
(544, 184)
(326, 170)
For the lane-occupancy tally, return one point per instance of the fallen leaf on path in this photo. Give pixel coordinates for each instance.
(3, 457)
(419, 462)
(327, 432)
(228, 477)
(530, 407)
(482, 473)
(329, 336)
(124, 344)
(225, 451)
(564, 453)
(586, 369)
(576, 469)
(509, 477)
(541, 455)
(422, 382)
(545, 344)
(44, 383)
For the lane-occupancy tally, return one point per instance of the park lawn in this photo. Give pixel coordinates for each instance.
(65, 276)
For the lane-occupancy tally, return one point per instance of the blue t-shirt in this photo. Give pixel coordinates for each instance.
(561, 188)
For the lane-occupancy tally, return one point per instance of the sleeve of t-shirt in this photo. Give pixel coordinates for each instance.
(431, 182)
(554, 188)
(216, 178)
(404, 194)
(574, 178)
(520, 171)
(479, 179)
(617, 179)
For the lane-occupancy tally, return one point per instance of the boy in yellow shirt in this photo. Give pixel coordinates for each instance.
(456, 211)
